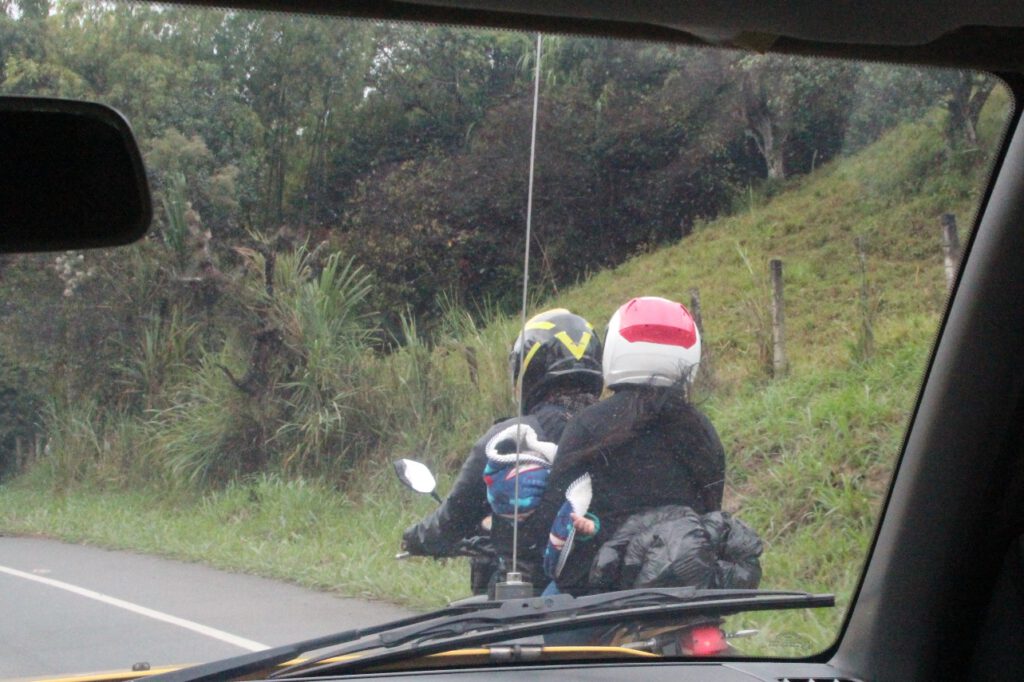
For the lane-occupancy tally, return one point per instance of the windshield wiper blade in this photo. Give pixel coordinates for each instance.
(525, 610)
(247, 664)
(515, 618)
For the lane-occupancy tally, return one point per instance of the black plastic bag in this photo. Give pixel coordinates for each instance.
(675, 546)
(737, 548)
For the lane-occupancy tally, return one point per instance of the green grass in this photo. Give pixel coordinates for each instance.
(810, 455)
(293, 530)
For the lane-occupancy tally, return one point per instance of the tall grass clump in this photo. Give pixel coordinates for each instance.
(330, 400)
(440, 393)
(89, 446)
(160, 358)
(211, 432)
(290, 390)
(304, 390)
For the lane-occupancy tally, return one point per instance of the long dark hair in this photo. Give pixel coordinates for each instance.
(647, 404)
(643, 407)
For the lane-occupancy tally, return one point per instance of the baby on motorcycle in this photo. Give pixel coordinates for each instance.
(555, 366)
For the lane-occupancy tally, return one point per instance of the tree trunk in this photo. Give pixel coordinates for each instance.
(762, 129)
(966, 100)
(268, 341)
(771, 149)
(776, 166)
(983, 88)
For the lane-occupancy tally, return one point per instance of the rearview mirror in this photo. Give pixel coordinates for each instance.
(417, 476)
(71, 177)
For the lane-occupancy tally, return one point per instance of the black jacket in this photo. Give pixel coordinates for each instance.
(675, 547)
(640, 454)
(460, 514)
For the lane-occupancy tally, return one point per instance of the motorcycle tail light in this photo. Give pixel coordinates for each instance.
(707, 640)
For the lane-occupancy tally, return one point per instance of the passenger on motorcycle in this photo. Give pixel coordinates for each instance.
(646, 446)
(555, 365)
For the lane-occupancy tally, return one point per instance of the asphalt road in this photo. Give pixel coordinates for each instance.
(69, 609)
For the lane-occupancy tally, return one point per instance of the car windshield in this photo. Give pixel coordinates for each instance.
(737, 264)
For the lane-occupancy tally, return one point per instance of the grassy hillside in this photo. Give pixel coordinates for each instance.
(809, 455)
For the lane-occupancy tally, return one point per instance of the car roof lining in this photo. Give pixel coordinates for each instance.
(984, 35)
(879, 23)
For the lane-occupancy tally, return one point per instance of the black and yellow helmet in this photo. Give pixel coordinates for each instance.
(557, 349)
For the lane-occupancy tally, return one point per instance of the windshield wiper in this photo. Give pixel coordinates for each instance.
(514, 618)
(472, 623)
(246, 664)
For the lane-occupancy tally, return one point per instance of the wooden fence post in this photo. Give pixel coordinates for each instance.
(470, 353)
(950, 247)
(695, 309)
(866, 343)
(705, 380)
(779, 364)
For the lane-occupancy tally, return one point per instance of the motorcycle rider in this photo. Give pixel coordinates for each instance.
(644, 447)
(555, 365)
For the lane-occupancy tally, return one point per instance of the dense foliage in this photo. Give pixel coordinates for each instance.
(329, 192)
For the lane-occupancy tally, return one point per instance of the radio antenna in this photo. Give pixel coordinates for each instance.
(514, 587)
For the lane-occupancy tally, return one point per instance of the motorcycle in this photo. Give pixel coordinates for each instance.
(697, 635)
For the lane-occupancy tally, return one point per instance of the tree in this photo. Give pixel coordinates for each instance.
(966, 94)
(783, 98)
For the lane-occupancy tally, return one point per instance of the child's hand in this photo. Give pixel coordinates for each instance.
(583, 525)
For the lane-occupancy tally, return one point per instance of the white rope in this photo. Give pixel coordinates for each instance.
(526, 285)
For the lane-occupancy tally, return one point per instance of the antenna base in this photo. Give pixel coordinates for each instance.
(513, 587)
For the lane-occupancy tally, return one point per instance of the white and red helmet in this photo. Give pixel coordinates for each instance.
(651, 340)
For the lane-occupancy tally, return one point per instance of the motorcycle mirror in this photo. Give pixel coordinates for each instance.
(417, 476)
